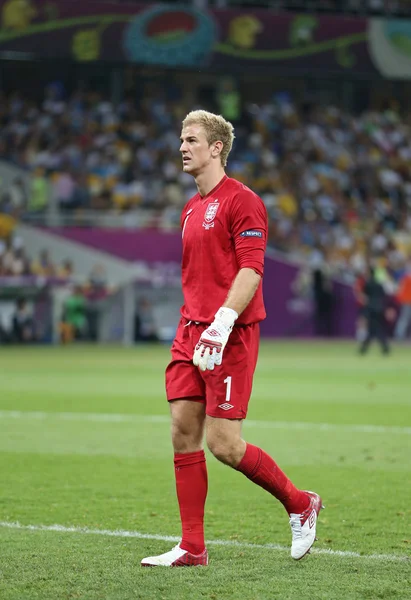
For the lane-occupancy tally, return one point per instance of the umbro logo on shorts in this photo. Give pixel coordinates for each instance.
(226, 406)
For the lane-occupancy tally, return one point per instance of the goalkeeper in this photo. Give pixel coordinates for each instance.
(214, 354)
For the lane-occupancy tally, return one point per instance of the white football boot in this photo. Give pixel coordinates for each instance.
(303, 527)
(177, 557)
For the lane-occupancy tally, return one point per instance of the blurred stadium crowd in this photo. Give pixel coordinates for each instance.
(336, 185)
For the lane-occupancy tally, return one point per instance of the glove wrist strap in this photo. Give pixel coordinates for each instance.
(227, 316)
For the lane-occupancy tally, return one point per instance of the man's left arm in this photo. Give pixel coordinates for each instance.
(249, 232)
(242, 291)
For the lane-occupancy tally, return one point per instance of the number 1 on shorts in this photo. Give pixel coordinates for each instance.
(227, 380)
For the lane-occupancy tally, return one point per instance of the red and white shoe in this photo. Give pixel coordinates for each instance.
(303, 527)
(177, 557)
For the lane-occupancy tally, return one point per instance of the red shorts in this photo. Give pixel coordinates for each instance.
(227, 389)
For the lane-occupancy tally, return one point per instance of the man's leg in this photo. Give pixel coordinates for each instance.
(402, 323)
(381, 334)
(186, 396)
(187, 431)
(228, 390)
(369, 337)
(225, 442)
(408, 318)
(361, 328)
(364, 346)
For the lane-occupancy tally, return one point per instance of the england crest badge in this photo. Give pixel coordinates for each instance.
(210, 214)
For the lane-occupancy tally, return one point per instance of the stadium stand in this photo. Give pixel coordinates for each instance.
(336, 185)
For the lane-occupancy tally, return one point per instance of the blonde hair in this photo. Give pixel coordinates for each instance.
(216, 128)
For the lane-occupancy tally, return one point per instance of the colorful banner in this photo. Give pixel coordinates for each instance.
(181, 36)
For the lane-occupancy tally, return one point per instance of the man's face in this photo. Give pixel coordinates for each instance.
(195, 151)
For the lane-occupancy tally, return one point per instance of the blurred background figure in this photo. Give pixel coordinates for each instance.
(403, 296)
(39, 193)
(375, 303)
(74, 318)
(145, 328)
(65, 270)
(228, 100)
(44, 266)
(322, 287)
(23, 331)
(360, 298)
(14, 200)
(96, 290)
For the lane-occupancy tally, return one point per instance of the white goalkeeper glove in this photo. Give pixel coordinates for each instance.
(210, 347)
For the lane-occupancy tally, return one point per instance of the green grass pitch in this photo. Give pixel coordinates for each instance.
(87, 484)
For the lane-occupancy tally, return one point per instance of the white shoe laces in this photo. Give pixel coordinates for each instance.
(296, 529)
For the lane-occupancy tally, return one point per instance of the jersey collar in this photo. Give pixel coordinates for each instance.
(213, 191)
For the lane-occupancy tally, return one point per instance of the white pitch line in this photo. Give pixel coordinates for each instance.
(169, 538)
(130, 418)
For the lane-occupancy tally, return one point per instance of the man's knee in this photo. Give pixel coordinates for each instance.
(187, 425)
(228, 449)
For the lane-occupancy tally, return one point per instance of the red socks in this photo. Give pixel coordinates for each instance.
(191, 484)
(260, 468)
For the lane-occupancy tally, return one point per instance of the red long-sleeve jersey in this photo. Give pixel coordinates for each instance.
(222, 233)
